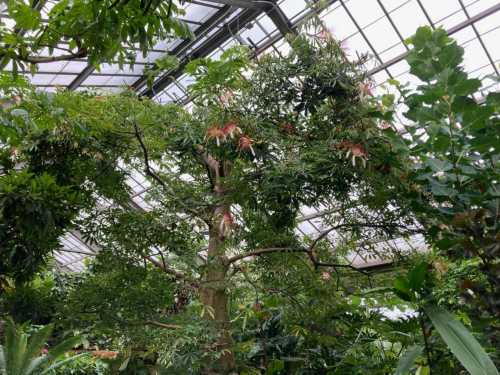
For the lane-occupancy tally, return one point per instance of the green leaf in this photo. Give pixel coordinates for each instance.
(16, 342)
(2, 358)
(355, 300)
(65, 346)
(466, 87)
(442, 190)
(381, 289)
(62, 363)
(402, 288)
(19, 112)
(438, 165)
(35, 364)
(493, 99)
(10, 39)
(275, 367)
(461, 342)
(422, 36)
(407, 360)
(388, 100)
(423, 370)
(417, 276)
(25, 16)
(451, 55)
(37, 341)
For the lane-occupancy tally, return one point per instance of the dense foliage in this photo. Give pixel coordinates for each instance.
(454, 140)
(102, 31)
(212, 275)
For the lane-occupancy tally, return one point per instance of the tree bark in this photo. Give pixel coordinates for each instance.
(213, 289)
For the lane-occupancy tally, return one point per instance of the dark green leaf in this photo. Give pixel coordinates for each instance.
(407, 360)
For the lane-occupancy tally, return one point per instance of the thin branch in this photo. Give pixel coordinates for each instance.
(178, 275)
(321, 236)
(115, 3)
(147, 167)
(289, 249)
(149, 172)
(48, 59)
(309, 251)
(56, 47)
(426, 343)
(337, 265)
(169, 11)
(268, 250)
(206, 163)
(162, 325)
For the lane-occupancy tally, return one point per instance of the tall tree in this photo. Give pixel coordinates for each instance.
(228, 178)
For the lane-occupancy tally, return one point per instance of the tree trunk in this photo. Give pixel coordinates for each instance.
(213, 294)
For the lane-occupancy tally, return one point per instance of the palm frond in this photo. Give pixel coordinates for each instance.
(2, 358)
(35, 364)
(64, 346)
(36, 343)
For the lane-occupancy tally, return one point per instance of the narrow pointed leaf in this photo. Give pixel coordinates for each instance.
(2, 359)
(461, 342)
(407, 360)
(17, 353)
(37, 341)
(61, 363)
(64, 346)
(35, 365)
(11, 337)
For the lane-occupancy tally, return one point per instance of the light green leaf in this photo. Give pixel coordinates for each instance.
(355, 300)
(461, 342)
(124, 364)
(37, 341)
(438, 165)
(2, 358)
(61, 363)
(65, 346)
(25, 16)
(423, 370)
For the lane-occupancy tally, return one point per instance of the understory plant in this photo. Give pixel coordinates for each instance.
(24, 354)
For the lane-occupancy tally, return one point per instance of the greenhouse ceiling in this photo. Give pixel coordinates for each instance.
(374, 27)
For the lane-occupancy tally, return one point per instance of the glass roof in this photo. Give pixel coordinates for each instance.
(374, 27)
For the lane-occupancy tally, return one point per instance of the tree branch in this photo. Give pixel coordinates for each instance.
(162, 325)
(321, 236)
(309, 251)
(177, 275)
(147, 167)
(336, 265)
(205, 160)
(149, 172)
(268, 250)
(48, 59)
